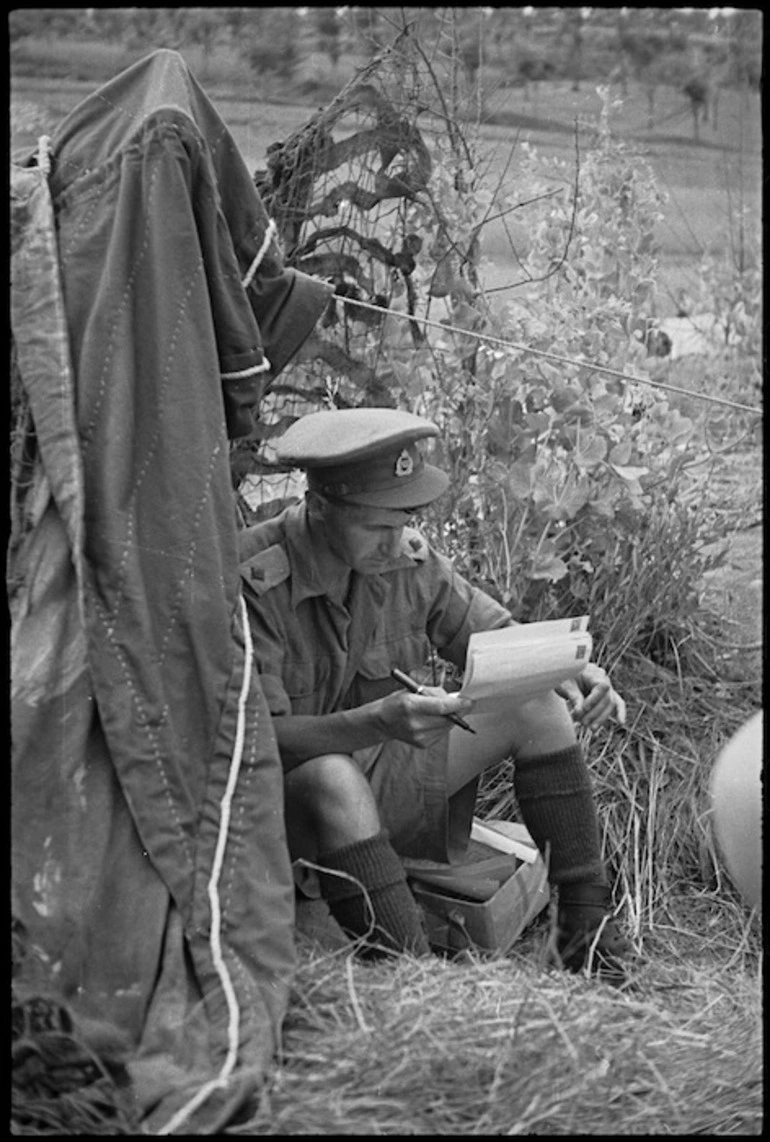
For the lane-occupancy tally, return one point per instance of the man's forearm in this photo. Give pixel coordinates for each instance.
(301, 737)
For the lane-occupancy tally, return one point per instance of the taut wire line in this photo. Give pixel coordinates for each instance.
(550, 356)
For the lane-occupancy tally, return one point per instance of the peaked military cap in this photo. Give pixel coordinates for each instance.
(367, 456)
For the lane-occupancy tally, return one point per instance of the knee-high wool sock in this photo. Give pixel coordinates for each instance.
(557, 806)
(374, 896)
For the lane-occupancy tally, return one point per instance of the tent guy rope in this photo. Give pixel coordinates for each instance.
(445, 328)
(265, 366)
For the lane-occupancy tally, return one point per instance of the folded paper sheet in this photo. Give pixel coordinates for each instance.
(519, 661)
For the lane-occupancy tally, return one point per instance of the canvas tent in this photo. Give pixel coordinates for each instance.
(150, 311)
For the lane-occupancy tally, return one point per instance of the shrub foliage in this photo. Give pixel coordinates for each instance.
(579, 472)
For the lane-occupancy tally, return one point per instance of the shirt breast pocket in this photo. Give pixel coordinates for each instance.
(307, 685)
(409, 652)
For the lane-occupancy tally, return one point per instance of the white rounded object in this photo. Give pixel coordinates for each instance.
(736, 798)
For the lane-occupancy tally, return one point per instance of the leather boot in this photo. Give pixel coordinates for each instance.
(588, 936)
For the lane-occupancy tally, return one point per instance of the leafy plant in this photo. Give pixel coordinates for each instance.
(731, 289)
(569, 480)
(574, 489)
(558, 462)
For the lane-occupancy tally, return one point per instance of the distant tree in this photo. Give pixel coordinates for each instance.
(367, 28)
(155, 27)
(471, 48)
(109, 24)
(54, 22)
(532, 67)
(517, 48)
(23, 22)
(328, 26)
(202, 26)
(710, 69)
(698, 91)
(573, 31)
(270, 40)
(745, 46)
(652, 55)
(460, 44)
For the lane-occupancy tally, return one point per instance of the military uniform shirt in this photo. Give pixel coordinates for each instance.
(316, 656)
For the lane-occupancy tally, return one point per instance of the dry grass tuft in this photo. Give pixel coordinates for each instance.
(511, 1046)
(651, 782)
(505, 1047)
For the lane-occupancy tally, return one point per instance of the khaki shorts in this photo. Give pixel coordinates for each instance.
(409, 786)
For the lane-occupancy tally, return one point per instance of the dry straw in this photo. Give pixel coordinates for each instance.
(509, 1047)
(513, 1046)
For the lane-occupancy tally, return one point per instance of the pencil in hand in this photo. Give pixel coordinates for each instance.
(410, 684)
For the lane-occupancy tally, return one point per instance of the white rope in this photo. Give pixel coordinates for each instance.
(213, 891)
(269, 235)
(549, 356)
(242, 374)
(265, 366)
(44, 154)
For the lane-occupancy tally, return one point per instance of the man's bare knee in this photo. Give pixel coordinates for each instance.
(330, 776)
(544, 725)
(541, 724)
(329, 798)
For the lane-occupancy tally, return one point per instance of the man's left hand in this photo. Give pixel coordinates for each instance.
(591, 697)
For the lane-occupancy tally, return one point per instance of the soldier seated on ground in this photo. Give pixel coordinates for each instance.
(340, 590)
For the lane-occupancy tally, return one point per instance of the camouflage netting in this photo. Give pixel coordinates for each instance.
(351, 194)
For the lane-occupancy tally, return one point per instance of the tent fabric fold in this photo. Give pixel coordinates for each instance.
(149, 861)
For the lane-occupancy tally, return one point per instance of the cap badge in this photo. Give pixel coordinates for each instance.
(404, 464)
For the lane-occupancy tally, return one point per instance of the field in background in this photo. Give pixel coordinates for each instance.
(706, 181)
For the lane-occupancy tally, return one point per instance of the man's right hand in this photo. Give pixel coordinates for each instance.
(420, 719)
(417, 719)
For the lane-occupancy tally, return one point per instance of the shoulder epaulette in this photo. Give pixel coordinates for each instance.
(266, 569)
(414, 546)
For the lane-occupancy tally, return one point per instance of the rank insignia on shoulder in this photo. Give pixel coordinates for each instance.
(266, 569)
(414, 546)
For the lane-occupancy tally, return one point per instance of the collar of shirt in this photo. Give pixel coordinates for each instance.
(315, 570)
